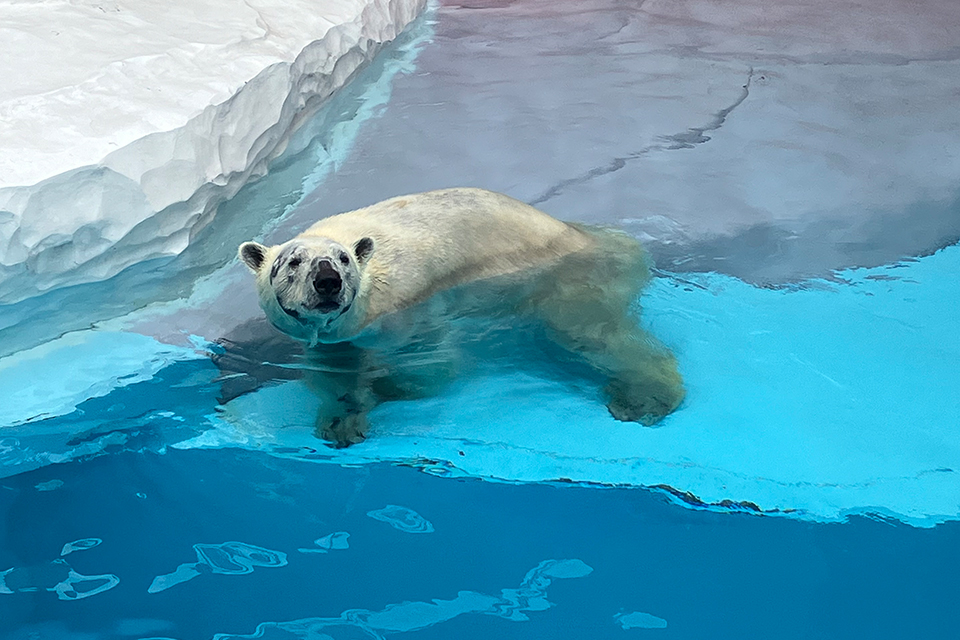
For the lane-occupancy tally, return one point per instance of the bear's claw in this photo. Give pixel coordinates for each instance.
(341, 432)
(642, 403)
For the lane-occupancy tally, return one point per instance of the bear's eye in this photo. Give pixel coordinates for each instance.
(294, 263)
(344, 258)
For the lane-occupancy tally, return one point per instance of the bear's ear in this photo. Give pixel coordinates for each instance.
(363, 249)
(253, 254)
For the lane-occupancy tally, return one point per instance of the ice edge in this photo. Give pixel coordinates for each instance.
(149, 198)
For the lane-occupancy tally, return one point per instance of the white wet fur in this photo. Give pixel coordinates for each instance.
(580, 284)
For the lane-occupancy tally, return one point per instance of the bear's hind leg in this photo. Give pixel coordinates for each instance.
(644, 384)
(646, 389)
(586, 303)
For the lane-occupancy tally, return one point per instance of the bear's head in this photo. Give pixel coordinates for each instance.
(309, 284)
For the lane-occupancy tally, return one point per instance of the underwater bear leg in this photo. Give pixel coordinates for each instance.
(588, 304)
(351, 380)
(339, 374)
(644, 384)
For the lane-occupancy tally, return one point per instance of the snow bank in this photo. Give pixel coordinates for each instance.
(124, 125)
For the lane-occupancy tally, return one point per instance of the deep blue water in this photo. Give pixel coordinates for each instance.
(708, 575)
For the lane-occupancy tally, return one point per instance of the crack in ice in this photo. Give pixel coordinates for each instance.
(685, 140)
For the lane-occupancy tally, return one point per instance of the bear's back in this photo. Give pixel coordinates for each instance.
(427, 242)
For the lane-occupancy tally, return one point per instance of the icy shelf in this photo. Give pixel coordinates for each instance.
(800, 404)
(124, 125)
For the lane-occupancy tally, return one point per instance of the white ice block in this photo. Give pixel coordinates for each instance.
(124, 124)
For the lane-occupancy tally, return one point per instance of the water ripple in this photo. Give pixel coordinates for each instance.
(228, 558)
(402, 519)
(512, 604)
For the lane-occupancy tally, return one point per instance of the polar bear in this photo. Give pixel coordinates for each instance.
(374, 292)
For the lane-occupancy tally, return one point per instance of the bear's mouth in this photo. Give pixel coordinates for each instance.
(328, 306)
(290, 312)
(323, 307)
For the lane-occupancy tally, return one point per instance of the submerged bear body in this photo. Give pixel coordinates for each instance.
(368, 288)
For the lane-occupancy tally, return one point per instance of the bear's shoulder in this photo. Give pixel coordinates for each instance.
(427, 242)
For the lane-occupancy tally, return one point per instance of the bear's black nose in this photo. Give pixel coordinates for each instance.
(327, 281)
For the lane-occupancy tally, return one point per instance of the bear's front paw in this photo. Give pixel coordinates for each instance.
(343, 431)
(643, 403)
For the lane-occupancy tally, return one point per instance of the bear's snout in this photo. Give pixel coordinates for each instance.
(327, 282)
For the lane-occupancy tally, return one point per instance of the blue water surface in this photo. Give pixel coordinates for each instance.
(618, 560)
(808, 487)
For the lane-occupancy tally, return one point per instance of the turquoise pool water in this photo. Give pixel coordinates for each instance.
(808, 487)
(245, 544)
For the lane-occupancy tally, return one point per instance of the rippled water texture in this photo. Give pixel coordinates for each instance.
(792, 170)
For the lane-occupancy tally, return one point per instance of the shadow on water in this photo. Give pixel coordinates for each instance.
(774, 254)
